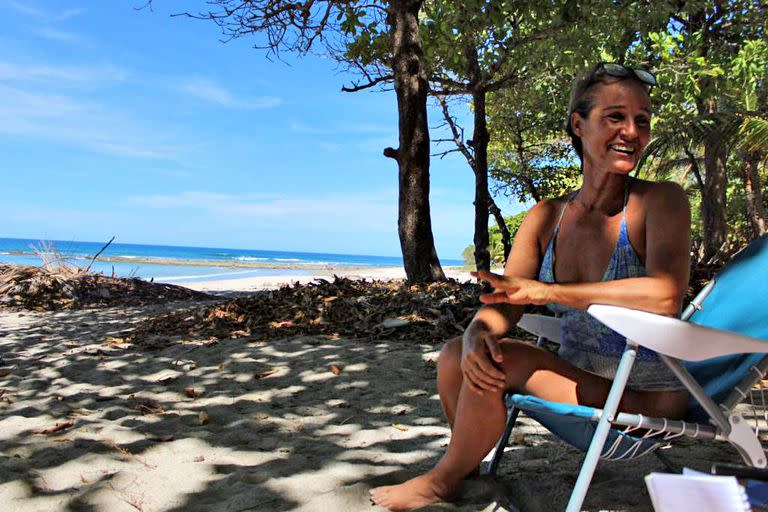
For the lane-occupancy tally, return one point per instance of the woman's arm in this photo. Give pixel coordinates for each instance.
(480, 347)
(523, 262)
(667, 225)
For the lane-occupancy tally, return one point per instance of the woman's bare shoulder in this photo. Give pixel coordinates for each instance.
(662, 194)
(543, 214)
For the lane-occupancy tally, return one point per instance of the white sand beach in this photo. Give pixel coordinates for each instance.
(89, 422)
(271, 282)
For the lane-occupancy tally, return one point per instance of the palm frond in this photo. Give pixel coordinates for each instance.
(753, 134)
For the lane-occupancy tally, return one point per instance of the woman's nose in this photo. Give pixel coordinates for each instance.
(629, 129)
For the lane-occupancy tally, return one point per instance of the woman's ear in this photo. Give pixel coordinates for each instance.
(576, 121)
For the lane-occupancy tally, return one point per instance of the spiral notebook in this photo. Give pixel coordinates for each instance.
(700, 492)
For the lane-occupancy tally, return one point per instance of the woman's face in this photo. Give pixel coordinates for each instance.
(617, 128)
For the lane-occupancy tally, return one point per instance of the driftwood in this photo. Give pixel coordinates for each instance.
(88, 268)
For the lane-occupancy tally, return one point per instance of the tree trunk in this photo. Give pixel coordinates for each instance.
(506, 238)
(532, 188)
(751, 176)
(480, 146)
(414, 222)
(713, 198)
(524, 175)
(482, 197)
(713, 194)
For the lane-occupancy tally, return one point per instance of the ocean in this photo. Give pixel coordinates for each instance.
(176, 264)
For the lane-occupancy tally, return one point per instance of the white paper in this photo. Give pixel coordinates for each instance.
(699, 492)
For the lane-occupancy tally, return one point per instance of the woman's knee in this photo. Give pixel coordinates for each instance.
(519, 361)
(450, 356)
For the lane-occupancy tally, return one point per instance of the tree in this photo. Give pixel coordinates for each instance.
(411, 86)
(483, 49)
(346, 28)
(711, 63)
(530, 155)
(474, 49)
(499, 252)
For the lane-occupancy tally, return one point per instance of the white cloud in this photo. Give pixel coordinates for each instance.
(346, 213)
(351, 217)
(42, 14)
(214, 93)
(59, 36)
(300, 127)
(12, 71)
(354, 128)
(25, 9)
(80, 123)
(371, 128)
(183, 199)
(330, 147)
(69, 13)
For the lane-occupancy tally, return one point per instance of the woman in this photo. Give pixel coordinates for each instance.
(617, 240)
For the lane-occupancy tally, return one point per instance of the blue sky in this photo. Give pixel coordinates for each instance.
(131, 123)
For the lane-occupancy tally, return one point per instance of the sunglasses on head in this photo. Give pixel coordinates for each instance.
(619, 71)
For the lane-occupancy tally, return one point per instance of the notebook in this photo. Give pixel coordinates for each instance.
(700, 492)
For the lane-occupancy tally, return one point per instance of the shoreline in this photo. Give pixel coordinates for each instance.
(312, 273)
(182, 262)
(246, 284)
(208, 263)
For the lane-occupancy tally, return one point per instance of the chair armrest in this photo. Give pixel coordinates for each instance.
(673, 337)
(542, 326)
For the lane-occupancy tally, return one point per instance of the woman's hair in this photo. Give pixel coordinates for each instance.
(582, 99)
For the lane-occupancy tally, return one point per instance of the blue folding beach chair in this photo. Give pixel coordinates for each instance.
(717, 350)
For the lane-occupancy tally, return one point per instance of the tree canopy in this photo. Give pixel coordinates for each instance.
(513, 61)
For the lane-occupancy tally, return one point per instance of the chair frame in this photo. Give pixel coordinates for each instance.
(726, 424)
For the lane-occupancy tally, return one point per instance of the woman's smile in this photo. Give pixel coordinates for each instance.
(617, 129)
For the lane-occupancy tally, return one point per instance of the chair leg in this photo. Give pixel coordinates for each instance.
(491, 466)
(603, 427)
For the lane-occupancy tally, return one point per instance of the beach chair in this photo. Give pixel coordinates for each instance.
(717, 350)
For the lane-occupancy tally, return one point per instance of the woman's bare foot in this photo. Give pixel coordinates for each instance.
(415, 493)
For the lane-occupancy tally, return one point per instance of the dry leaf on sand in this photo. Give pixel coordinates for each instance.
(58, 427)
(335, 369)
(267, 373)
(400, 427)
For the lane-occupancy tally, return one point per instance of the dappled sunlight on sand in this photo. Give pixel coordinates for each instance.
(304, 423)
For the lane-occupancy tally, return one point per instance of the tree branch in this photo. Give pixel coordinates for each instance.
(457, 138)
(392, 153)
(443, 154)
(355, 87)
(694, 168)
(506, 240)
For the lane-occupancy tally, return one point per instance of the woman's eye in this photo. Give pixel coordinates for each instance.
(616, 116)
(643, 121)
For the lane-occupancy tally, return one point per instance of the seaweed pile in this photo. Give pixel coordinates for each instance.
(360, 309)
(42, 289)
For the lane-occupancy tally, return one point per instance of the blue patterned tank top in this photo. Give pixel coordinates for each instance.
(589, 344)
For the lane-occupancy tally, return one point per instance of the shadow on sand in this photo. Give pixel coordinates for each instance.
(247, 424)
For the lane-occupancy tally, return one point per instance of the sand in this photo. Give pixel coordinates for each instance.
(248, 424)
(271, 282)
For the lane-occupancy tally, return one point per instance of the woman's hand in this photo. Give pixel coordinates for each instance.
(513, 290)
(479, 350)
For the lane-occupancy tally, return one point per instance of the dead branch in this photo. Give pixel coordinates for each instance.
(457, 138)
(88, 268)
(443, 154)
